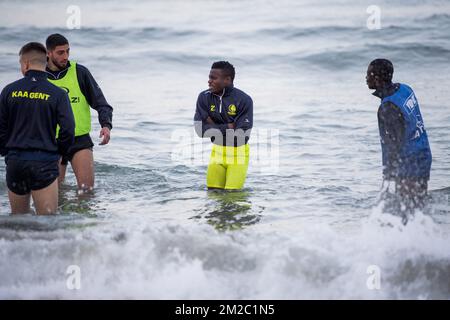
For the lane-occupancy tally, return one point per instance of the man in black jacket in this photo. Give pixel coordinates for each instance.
(84, 93)
(225, 115)
(30, 110)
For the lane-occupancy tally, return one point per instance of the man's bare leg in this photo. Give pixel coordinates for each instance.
(62, 172)
(19, 204)
(83, 168)
(46, 199)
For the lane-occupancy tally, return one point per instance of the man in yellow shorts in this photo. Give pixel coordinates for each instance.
(225, 115)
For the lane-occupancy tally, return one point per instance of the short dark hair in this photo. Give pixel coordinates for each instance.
(33, 46)
(38, 54)
(55, 40)
(383, 69)
(226, 67)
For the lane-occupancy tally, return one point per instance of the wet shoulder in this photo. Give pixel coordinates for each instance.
(398, 85)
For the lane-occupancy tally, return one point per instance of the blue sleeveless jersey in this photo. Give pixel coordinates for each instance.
(415, 154)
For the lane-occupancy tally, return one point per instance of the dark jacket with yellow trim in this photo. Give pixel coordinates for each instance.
(234, 106)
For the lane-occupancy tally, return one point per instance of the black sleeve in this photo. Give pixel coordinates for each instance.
(202, 128)
(66, 123)
(392, 130)
(94, 96)
(3, 123)
(244, 118)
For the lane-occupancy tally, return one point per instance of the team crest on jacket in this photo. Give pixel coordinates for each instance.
(232, 110)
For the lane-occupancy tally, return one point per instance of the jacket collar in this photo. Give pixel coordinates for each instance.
(36, 74)
(227, 91)
(57, 74)
(386, 91)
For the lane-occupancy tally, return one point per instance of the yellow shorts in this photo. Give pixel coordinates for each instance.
(227, 167)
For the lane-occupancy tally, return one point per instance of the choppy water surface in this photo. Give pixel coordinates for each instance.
(306, 224)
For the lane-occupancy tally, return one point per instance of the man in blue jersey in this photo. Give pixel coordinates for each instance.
(404, 142)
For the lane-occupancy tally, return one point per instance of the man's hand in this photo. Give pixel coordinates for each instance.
(229, 125)
(106, 134)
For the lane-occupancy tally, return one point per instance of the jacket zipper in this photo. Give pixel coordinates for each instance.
(220, 98)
